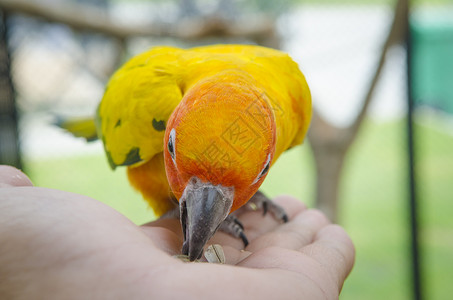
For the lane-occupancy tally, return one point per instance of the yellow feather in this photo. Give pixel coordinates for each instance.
(143, 93)
(150, 85)
(85, 127)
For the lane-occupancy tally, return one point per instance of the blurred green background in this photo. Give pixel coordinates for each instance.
(374, 209)
(60, 71)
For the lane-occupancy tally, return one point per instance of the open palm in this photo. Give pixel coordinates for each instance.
(59, 245)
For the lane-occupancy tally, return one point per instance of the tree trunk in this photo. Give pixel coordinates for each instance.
(328, 172)
(330, 144)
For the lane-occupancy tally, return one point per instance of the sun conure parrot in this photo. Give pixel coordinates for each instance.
(202, 126)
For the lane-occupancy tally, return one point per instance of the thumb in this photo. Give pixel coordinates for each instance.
(10, 176)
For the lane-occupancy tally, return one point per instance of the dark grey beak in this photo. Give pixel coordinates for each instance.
(203, 208)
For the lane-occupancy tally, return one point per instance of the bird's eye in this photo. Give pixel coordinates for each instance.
(171, 144)
(264, 170)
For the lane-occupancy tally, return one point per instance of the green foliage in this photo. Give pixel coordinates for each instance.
(374, 207)
(375, 210)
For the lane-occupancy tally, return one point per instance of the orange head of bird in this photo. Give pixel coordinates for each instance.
(218, 147)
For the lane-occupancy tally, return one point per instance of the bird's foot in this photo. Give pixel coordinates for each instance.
(261, 201)
(234, 227)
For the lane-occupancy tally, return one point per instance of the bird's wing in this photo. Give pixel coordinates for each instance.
(137, 103)
(143, 93)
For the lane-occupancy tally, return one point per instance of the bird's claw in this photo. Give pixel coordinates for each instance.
(260, 201)
(234, 227)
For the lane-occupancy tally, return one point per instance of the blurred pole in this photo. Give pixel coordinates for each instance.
(415, 246)
(9, 135)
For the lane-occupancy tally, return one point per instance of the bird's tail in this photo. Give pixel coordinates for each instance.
(80, 127)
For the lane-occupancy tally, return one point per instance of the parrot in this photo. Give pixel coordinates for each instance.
(198, 130)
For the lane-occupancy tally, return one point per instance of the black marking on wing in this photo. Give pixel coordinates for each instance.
(91, 138)
(109, 156)
(132, 157)
(118, 123)
(110, 160)
(159, 125)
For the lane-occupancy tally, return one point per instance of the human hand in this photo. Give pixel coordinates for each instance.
(56, 245)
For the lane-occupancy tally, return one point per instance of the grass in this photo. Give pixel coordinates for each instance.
(374, 207)
(373, 212)
(90, 176)
(436, 174)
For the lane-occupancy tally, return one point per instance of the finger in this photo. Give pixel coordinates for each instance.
(298, 232)
(166, 240)
(256, 224)
(10, 176)
(334, 250)
(275, 259)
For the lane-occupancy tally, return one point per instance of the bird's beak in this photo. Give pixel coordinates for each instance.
(203, 208)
